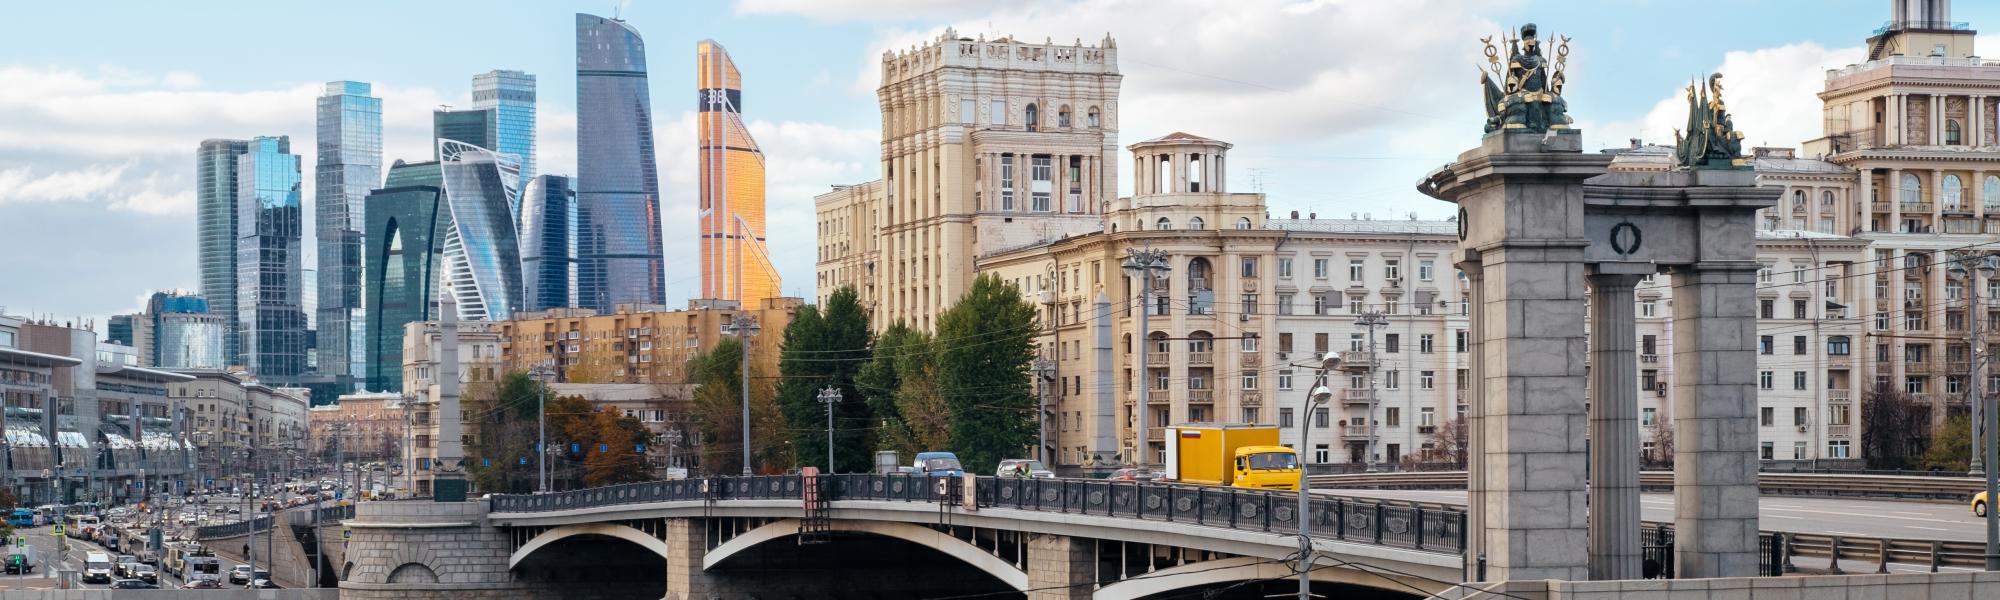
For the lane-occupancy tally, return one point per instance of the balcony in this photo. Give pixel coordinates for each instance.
(1354, 431)
(1838, 431)
(1201, 396)
(1957, 208)
(1355, 360)
(1201, 358)
(1916, 208)
(1649, 358)
(1839, 395)
(1878, 206)
(1917, 367)
(1158, 359)
(1459, 396)
(1252, 360)
(1354, 397)
(1156, 434)
(1958, 366)
(1198, 283)
(1427, 429)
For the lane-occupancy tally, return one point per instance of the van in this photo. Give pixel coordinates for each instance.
(937, 464)
(96, 567)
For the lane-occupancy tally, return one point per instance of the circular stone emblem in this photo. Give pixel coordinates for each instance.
(1154, 502)
(1282, 513)
(1096, 497)
(1183, 504)
(1625, 238)
(1397, 525)
(1246, 510)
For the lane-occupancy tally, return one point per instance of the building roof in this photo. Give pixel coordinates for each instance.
(1402, 226)
(142, 373)
(1179, 137)
(37, 359)
(1801, 234)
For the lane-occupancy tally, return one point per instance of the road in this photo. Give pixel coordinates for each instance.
(1826, 516)
(53, 560)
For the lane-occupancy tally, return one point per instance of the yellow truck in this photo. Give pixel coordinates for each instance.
(1231, 454)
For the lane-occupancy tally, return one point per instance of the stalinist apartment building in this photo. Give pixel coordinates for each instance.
(986, 144)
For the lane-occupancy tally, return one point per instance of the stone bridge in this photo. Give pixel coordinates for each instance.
(894, 536)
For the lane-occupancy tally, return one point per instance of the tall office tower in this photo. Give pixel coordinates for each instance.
(988, 145)
(118, 330)
(617, 183)
(270, 314)
(348, 167)
(548, 243)
(482, 247)
(479, 127)
(404, 258)
(215, 232)
(511, 95)
(178, 331)
(734, 264)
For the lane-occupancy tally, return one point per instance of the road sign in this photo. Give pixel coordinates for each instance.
(346, 534)
(59, 530)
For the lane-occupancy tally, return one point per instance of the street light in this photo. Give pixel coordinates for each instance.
(1372, 320)
(1044, 370)
(1962, 268)
(1145, 266)
(1314, 399)
(743, 327)
(538, 373)
(829, 396)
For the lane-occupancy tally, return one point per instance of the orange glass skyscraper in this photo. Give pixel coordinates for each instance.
(734, 262)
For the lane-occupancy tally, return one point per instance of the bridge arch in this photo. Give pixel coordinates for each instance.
(1243, 568)
(612, 530)
(956, 548)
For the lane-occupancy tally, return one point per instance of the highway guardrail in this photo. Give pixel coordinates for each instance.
(1921, 487)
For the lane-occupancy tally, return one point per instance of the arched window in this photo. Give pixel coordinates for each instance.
(1243, 222)
(1953, 136)
(1201, 341)
(1798, 199)
(1163, 224)
(1198, 273)
(1826, 198)
(1196, 224)
(1913, 190)
(1128, 343)
(1093, 117)
(1062, 117)
(1954, 193)
(1161, 344)
(1032, 117)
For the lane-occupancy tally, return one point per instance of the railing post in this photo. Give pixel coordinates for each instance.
(1339, 518)
(1378, 523)
(1791, 547)
(1937, 548)
(1417, 516)
(1833, 550)
(1882, 556)
(1138, 501)
(1231, 507)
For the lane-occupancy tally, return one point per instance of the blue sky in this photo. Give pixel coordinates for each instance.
(1335, 107)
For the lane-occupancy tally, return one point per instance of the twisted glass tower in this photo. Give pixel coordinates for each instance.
(349, 166)
(617, 183)
(481, 248)
(733, 263)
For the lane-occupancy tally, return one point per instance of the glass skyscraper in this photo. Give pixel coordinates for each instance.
(349, 166)
(731, 210)
(617, 183)
(548, 243)
(404, 257)
(182, 333)
(215, 232)
(270, 314)
(482, 248)
(511, 95)
(478, 127)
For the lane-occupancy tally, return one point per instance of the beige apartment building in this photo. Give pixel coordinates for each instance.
(636, 343)
(986, 145)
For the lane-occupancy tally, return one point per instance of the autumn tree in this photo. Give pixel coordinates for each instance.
(825, 347)
(984, 346)
(616, 450)
(717, 413)
(1448, 444)
(500, 417)
(1662, 454)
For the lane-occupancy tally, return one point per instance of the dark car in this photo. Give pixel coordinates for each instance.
(134, 584)
(146, 573)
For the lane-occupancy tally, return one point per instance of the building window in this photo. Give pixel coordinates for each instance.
(1836, 449)
(1766, 309)
(1285, 379)
(1648, 416)
(1354, 270)
(1320, 453)
(1767, 416)
(1798, 380)
(1426, 343)
(1458, 340)
(1426, 270)
(1953, 134)
(1284, 304)
(1243, 222)
(1798, 344)
(1764, 345)
(1249, 268)
(1764, 381)
(1284, 268)
(966, 111)
(1392, 270)
(1163, 224)
(1320, 418)
(1250, 381)
(1040, 180)
(1092, 117)
(1062, 117)
(1033, 118)
(1392, 343)
(1249, 304)
(1798, 309)
(1427, 380)
(1837, 345)
(1007, 182)
(1649, 308)
(1319, 268)
(999, 112)
(1249, 343)
(1285, 417)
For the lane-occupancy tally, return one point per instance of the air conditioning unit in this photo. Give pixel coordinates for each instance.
(1284, 356)
(1802, 429)
(1243, 317)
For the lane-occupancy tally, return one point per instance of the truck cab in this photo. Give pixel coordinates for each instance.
(1267, 467)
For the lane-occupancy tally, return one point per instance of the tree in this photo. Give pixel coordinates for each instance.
(1448, 444)
(1662, 455)
(1894, 428)
(500, 419)
(984, 346)
(1951, 448)
(899, 385)
(827, 348)
(717, 412)
(616, 452)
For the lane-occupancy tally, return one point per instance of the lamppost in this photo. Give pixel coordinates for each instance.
(743, 326)
(673, 438)
(1044, 370)
(1318, 396)
(1145, 266)
(829, 396)
(1970, 267)
(541, 426)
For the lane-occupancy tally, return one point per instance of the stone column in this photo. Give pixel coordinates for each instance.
(1715, 423)
(1937, 199)
(1060, 567)
(1893, 192)
(1936, 118)
(1475, 436)
(1978, 195)
(1614, 422)
(1864, 194)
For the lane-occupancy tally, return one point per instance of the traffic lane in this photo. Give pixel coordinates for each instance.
(1825, 516)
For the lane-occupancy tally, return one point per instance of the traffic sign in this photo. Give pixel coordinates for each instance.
(346, 534)
(59, 530)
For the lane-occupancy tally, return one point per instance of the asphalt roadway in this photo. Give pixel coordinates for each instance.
(1854, 517)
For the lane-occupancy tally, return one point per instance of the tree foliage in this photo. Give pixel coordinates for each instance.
(1951, 448)
(500, 418)
(827, 347)
(717, 413)
(1895, 428)
(899, 385)
(1662, 454)
(984, 347)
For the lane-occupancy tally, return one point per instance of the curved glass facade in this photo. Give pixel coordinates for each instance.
(548, 243)
(215, 231)
(617, 183)
(482, 248)
(407, 219)
(733, 263)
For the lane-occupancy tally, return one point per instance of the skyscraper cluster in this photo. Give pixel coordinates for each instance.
(477, 220)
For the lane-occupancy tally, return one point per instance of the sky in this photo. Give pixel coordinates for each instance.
(1335, 107)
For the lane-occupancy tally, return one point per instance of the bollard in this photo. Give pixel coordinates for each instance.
(1833, 550)
(1881, 557)
(1937, 548)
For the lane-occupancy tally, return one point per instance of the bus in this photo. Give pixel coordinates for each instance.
(203, 567)
(82, 526)
(22, 518)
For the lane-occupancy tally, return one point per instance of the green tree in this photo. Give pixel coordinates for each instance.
(500, 420)
(827, 346)
(899, 385)
(1951, 447)
(717, 412)
(984, 346)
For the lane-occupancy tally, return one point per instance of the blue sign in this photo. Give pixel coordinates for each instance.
(486, 462)
(524, 460)
(639, 448)
(601, 448)
(575, 447)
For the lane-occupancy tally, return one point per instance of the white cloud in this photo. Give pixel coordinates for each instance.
(25, 185)
(1765, 89)
(861, 10)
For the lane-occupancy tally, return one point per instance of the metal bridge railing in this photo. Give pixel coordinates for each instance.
(1367, 522)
